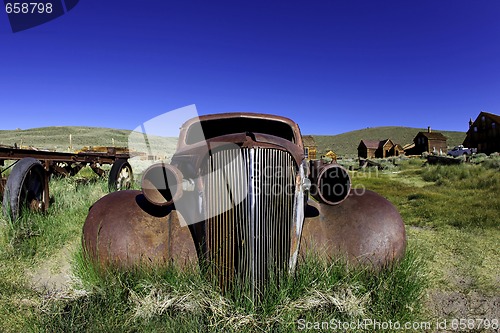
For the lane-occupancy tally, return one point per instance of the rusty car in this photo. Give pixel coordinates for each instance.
(240, 199)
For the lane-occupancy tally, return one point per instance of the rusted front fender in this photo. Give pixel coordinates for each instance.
(125, 230)
(365, 229)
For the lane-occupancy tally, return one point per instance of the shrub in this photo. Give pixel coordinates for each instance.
(492, 163)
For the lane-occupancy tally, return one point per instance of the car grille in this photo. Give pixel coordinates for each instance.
(249, 205)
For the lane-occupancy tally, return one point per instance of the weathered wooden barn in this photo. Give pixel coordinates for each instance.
(310, 147)
(379, 149)
(396, 150)
(368, 148)
(484, 133)
(431, 142)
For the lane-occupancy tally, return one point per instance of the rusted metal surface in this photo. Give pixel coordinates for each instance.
(60, 163)
(196, 153)
(365, 229)
(8, 153)
(292, 129)
(125, 230)
(261, 234)
(65, 163)
(245, 209)
(263, 230)
(330, 183)
(162, 184)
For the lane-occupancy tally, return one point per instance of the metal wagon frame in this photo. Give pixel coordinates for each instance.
(28, 182)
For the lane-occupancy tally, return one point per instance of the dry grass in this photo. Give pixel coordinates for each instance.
(446, 254)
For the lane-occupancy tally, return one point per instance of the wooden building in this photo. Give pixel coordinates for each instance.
(379, 149)
(368, 148)
(396, 150)
(310, 147)
(484, 133)
(331, 155)
(431, 142)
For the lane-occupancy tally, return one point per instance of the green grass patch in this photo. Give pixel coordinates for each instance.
(451, 213)
(463, 196)
(40, 235)
(183, 301)
(462, 260)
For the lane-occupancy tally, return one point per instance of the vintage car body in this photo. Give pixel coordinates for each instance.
(235, 198)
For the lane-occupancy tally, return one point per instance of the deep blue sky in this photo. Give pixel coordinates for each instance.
(332, 65)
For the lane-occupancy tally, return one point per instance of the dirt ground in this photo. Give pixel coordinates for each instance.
(459, 305)
(54, 274)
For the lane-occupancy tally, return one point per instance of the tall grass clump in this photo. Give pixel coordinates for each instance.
(464, 196)
(40, 234)
(492, 163)
(183, 300)
(449, 173)
(464, 176)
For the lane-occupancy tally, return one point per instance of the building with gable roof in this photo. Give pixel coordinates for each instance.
(379, 149)
(430, 142)
(484, 133)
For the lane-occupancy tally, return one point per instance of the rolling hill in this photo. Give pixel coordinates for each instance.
(57, 138)
(346, 144)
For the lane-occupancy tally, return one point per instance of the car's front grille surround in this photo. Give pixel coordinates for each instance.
(249, 208)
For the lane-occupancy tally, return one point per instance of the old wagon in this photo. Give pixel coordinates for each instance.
(28, 182)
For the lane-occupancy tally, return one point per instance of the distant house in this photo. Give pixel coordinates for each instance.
(396, 150)
(310, 147)
(379, 149)
(484, 133)
(331, 155)
(431, 142)
(368, 148)
(388, 148)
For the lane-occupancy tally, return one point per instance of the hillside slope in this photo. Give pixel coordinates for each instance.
(57, 138)
(346, 144)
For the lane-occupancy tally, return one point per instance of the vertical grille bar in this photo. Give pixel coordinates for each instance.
(250, 199)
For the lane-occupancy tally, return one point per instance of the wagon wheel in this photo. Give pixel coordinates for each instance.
(25, 188)
(120, 176)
